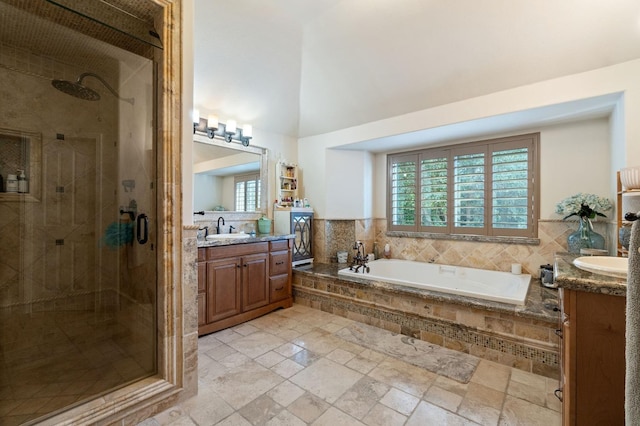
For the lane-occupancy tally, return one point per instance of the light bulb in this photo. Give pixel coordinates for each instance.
(212, 121)
(247, 131)
(231, 127)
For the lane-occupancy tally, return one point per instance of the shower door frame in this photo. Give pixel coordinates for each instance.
(177, 373)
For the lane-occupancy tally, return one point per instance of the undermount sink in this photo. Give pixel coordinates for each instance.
(605, 265)
(227, 237)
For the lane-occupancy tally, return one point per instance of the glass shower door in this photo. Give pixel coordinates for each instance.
(77, 243)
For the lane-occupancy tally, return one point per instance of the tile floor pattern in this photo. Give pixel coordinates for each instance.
(290, 368)
(51, 360)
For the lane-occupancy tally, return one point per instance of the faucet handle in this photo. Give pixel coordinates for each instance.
(231, 228)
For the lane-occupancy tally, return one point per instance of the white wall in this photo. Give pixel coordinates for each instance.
(574, 157)
(349, 175)
(614, 79)
(207, 193)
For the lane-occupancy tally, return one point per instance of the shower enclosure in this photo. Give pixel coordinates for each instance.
(78, 239)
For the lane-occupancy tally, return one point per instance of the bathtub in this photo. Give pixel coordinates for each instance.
(496, 286)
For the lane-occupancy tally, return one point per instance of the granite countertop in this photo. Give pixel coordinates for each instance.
(259, 238)
(541, 302)
(570, 277)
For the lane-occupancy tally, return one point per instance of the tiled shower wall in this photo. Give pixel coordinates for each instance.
(334, 235)
(33, 231)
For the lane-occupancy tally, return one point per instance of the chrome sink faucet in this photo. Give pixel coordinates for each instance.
(219, 228)
(360, 259)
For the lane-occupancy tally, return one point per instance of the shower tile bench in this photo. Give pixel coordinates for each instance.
(523, 337)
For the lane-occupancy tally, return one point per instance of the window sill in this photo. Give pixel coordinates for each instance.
(465, 237)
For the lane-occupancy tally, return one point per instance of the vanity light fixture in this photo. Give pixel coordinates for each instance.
(230, 131)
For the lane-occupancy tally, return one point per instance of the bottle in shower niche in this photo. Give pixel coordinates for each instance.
(12, 183)
(23, 184)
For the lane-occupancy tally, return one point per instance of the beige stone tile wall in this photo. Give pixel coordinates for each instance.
(484, 255)
(34, 229)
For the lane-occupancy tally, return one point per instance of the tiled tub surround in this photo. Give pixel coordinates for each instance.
(521, 337)
(333, 235)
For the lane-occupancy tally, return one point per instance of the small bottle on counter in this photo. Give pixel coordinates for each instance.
(376, 251)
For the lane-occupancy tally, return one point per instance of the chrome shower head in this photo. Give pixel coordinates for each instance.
(78, 90)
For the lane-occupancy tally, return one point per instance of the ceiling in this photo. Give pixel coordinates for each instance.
(307, 67)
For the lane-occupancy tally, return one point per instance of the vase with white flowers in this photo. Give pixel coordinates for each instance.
(586, 207)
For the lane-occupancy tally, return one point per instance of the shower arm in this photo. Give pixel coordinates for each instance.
(111, 89)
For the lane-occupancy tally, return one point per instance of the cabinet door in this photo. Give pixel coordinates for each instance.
(302, 227)
(255, 284)
(223, 289)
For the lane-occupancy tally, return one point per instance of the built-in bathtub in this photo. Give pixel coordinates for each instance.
(521, 336)
(496, 286)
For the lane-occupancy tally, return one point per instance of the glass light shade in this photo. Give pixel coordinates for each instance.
(247, 131)
(212, 121)
(196, 116)
(231, 127)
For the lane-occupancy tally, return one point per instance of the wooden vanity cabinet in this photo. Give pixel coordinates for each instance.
(592, 358)
(239, 282)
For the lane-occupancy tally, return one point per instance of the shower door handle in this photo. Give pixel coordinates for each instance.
(142, 228)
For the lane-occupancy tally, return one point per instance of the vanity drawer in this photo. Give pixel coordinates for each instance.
(280, 287)
(279, 263)
(279, 245)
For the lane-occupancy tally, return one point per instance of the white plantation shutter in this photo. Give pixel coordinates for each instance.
(247, 194)
(469, 191)
(434, 192)
(403, 172)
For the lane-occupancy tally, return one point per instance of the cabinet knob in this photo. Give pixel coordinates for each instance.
(559, 332)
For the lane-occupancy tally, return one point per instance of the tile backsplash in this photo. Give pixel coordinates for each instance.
(334, 235)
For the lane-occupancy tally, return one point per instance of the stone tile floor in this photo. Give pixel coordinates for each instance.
(290, 368)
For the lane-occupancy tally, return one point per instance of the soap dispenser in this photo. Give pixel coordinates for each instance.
(23, 185)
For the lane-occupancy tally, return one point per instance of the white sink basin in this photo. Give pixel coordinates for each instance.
(214, 237)
(605, 265)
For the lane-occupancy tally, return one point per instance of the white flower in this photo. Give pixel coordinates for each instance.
(583, 205)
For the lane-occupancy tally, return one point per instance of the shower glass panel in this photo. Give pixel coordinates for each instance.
(78, 234)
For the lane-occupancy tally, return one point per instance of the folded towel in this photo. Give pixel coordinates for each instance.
(632, 351)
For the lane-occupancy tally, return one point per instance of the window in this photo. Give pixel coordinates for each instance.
(247, 196)
(479, 188)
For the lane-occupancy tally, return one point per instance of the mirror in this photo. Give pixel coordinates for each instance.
(219, 167)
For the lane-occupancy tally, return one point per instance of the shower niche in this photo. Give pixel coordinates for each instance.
(20, 151)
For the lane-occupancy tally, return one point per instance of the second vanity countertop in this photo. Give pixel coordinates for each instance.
(259, 238)
(570, 277)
